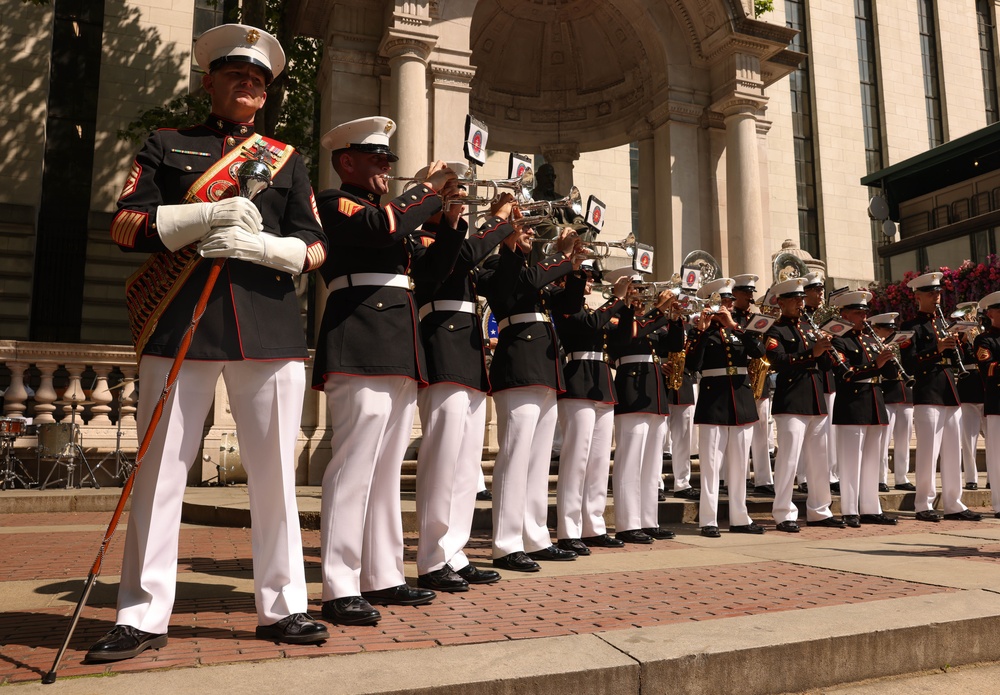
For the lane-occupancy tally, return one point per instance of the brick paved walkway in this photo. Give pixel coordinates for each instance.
(55, 550)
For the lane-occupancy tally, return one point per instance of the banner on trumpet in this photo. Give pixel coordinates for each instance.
(476, 136)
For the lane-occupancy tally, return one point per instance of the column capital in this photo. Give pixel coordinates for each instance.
(400, 43)
(564, 152)
(739, 105)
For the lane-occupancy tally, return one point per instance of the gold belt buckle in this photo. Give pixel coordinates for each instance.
(656, 359)
(731, 371)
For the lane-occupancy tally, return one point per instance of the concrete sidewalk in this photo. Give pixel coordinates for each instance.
(769, 614)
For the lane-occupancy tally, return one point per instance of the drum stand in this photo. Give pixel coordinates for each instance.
(12, 469)
(222, 467)
(69, 454)
(123, 465)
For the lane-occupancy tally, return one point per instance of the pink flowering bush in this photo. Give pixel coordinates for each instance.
(967, 283)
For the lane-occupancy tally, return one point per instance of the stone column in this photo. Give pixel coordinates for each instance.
(408, 62)
(561, 156)
(647, 190)
(666, 261)
(451, 85)
(743, 210)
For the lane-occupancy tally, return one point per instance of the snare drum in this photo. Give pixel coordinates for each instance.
(11, 427)
(54, 438)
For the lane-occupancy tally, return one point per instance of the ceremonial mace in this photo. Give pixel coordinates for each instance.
(252, 177)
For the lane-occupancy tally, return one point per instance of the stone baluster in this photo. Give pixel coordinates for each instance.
(127, 402)
(102, 397)
(45, 395)
(74, 392)
(16, 397)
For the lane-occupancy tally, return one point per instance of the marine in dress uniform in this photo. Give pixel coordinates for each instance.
(970, 395)
(859, 415)
(815, 290)
(720, 350)
(453, 406)
(799, 357)
(987, 348)
(640, 415)
(525, 376)
(176, 203)
(370, 361)
(936, 414)
(586, 412)
(898, 397)
(761, 442)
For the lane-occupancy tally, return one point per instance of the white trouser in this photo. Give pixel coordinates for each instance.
(266, 401)
(972, 422)
(584, 462)
(480, 479)
(638, 461)
(720, 446)
(900, 427)
(859, 449)
(831, 441)
(449, 463)
(760, 444)
(938, 429)
(526, 419)
(993, 458)
(680, 424)
(801, 437)
(361, 527)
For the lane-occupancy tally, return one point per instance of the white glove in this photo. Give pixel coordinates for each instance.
(180, 225)
(287, 254)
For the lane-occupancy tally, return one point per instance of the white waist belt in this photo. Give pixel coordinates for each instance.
(372, 280)
(970, 367)
(864, 381)
(534, 317)
(598, 356)
(724, 371)
(452, 305)
(636, 359)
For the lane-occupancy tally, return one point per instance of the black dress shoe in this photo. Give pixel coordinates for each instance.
(710, 531)
(928, 515)
(834, 488)
(484, 495)
(764, 490)
(552, 553)
(788, 527)
(517, 562)
(602, 541)
(298, 628)
(752, 527)
(350, 610)
(972, 486)
(574, 545)
(124, 642)
(908, 487)
(723, 489)
(852, 520)
(402, 595)
(661, 496)
(804, 488)
(829, 522)
(688, 493)
(964, 515)
(659, 534)
(882, 487)
(474, 575)
(878, 519)
(634, 536)
(443, 579)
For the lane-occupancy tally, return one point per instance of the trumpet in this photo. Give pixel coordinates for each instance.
(956, 354)
(602, 249)
(907, 379)
(521, 186)
(573, 201)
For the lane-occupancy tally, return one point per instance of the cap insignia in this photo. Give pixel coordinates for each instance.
(389, 125)
(252, 36)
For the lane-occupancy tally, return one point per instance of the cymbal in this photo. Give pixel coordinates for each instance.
(122, 383)
(72, 402)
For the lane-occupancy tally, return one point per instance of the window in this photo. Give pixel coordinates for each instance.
(633, 170)
(988, 59)
(208, 14)
(932, 80)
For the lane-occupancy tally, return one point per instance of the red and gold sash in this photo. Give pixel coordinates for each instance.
(150, 289)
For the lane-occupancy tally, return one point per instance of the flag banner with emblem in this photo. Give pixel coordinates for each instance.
(901, 338)
(518, 164)
(476, 135)
(837, 327)
(642, 261)
(597, 211)
(759, 324)
(690, 278)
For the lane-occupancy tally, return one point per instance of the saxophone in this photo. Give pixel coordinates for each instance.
(673, 369)
(758, 369)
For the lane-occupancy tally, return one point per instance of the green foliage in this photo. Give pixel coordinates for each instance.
(762, 6)
(179, 112)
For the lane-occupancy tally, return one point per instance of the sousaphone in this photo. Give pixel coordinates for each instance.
(787, 265)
